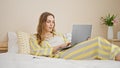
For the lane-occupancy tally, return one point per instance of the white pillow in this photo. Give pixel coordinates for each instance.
(12, 42)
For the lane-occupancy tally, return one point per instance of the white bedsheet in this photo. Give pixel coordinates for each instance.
(8, 60)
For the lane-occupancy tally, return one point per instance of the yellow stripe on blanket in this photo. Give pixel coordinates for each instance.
(85, 55)
(80, 50)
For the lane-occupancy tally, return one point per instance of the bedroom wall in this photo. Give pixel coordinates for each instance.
(23, 15)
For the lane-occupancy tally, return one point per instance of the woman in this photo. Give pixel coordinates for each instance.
(49, 43)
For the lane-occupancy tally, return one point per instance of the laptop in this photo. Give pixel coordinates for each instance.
(80, 33)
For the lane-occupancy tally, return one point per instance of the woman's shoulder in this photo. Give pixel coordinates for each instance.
(58, 34)
(33, 36)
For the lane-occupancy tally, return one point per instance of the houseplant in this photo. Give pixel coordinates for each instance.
(110, 21)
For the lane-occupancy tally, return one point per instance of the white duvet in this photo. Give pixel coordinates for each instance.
(8, 60)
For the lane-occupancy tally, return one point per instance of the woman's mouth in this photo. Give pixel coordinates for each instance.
(50, 27)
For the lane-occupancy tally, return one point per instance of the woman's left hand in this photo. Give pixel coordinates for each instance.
(65, 45)
(88, 38)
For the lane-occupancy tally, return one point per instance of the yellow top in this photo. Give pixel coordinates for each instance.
(46, 46)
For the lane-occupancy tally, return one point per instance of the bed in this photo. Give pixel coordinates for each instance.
(15, 59)
(9, 60)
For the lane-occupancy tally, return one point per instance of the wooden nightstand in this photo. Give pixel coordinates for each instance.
(3, 47)
(115, 41)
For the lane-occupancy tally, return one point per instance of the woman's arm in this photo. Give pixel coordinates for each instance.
(39, 50)
(59, 47)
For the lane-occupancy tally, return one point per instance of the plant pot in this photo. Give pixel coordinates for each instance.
(110, 32)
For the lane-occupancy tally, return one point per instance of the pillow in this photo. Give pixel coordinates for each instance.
(12, 42)
(23, 43)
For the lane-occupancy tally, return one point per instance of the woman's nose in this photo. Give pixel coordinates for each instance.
(51, 23)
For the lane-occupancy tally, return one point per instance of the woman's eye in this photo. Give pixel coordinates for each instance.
(48, 21)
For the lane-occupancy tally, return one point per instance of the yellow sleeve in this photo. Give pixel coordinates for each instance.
(39, 50)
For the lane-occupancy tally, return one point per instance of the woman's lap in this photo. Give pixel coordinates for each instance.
(91, 49)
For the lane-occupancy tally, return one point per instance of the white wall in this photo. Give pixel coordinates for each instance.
(23, 15)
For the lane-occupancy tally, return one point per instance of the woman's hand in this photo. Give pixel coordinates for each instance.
(59, 47)
(56, 49)
(65, 45)
(88, 38)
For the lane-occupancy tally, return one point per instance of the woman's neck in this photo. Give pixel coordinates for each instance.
(47, 34)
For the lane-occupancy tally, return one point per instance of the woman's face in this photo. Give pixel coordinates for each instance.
(50, 22)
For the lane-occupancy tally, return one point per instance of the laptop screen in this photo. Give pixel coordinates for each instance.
(80, 33)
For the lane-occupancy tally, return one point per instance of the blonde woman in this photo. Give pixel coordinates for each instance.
(49, 43)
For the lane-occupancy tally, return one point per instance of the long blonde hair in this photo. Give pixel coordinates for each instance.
(41, 25)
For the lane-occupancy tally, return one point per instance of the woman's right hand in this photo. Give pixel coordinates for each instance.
(59, 47)
(56, 49)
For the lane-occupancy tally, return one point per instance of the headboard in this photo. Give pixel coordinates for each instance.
(3, 46)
